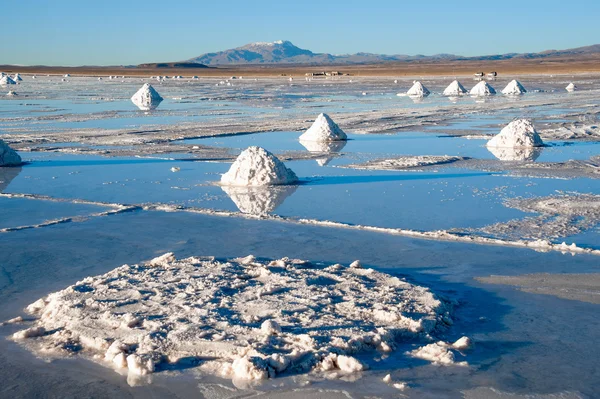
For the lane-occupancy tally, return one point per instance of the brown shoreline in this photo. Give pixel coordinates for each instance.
(557, 65)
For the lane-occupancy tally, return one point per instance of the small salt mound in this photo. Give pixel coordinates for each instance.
(518, 133)
(6, 80)
(482, 89)
(324, 129)
(146, 98)
(11, 93)
(67, 75)
(17, 78)
(571, 87)
(417, 90)
(256, 166)
(513, 88)
(8, 156)
(455, 89)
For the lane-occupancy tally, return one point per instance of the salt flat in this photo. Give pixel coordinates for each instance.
(414, 194)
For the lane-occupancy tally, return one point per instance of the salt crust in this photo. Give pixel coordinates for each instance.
(242, 319)
(407, 162)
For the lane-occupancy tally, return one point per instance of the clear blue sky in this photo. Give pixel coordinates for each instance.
(86, 32)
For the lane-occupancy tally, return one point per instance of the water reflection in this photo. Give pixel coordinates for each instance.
(7, 174)
(327, 147)
(516, 154)
(259, 200)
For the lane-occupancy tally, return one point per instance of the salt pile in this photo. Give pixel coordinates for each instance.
(146, 98)
(245, 319)
(6, 80)
(8, 156)
(518, 133)
(455, 89)
(482, 89)
(417, 90)
(324, 129)
(11, 93)
(256, 166)
(18, 78)
(514, 88)
(571, 87)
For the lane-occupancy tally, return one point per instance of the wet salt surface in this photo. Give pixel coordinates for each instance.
(432, 199)
(522, 340)
(515, 333)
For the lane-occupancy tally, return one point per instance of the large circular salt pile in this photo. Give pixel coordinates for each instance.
(417, 90)
(482, 89)
(324, 129)
(8, 156)
(146, 98)
(246, 319)
(256, 166)
(571, 87)
(514, 88)
(519, 133)
(455, 89)
(6, 80)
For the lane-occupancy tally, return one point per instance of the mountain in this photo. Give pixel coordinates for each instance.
(284, 52)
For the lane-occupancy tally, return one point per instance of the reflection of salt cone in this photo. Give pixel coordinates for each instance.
(325, 147)
(7, 174)
(516, 154)
(258, 200)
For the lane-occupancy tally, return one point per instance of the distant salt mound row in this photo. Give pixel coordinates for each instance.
(417, 90)
(7, 80)
(146, 98)
(258, 201)
(323, 129)
(519, 133)
(482, 89)
(516, 154)
(407, 162)
(571, 87)
(514, 88)
(8, 156)
(256, 166)
(246, 319)
(455, 89)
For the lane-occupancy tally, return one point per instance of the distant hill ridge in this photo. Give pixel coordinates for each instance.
(285, 52)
